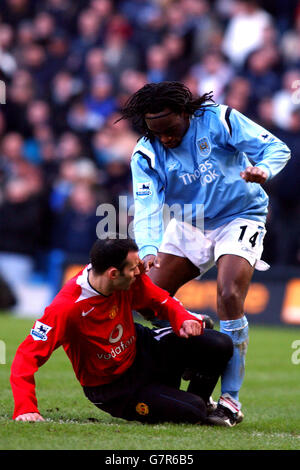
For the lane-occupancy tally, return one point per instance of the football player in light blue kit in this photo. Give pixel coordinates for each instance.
(194, 157)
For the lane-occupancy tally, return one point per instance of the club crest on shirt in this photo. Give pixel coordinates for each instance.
(113, 312)
(39, 331)
(204, 146)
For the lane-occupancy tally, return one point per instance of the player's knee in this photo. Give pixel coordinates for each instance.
(194, 411)
(229, 297)
(221, 347)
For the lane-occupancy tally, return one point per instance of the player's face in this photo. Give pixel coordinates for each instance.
(128, 274)
(168, 127)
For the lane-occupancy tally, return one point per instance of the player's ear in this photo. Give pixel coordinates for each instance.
(113, 273)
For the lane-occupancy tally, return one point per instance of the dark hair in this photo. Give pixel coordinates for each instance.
(155, 97)
(111, 252)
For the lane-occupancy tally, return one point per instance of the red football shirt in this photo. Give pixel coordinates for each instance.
(96, 331)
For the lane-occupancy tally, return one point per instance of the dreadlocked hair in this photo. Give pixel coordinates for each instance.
(155, 97)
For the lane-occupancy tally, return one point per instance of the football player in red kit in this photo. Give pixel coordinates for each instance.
(125, 369)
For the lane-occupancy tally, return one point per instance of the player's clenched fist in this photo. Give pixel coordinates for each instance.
(149, 261)
(30, 417)
(191, 328)
(253, 174)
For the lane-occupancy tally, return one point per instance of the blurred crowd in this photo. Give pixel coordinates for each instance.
(69, 66)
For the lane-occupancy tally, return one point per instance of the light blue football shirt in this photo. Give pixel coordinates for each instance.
(200, 178)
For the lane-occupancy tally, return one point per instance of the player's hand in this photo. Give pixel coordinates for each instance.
(253, 174)
(33, 417)
(151, 260)
(191, 328)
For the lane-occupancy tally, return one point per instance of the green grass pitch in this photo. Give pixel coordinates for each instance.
(270, 397)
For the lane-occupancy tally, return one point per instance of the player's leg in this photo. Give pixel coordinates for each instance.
(202, 359)
(151, 403)
(157, 403)
(205, 356)
(238, 249)
(174, 271)
(148, 391)
(234, 276)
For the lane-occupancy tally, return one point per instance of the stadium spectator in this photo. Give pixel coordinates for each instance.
(57, 52)
(69, 147)
(204, 28)
(237, 95)
(89, 36)
(12, 155)
(114, 142)
(74, 224)
(8, 64)
(19, 93)
(15, 11)
(125, 369)
(157, 64)
(259, 71)
(100, 103)
(286, 100)
(265, 114)
(178, 63)
(130, 81)
(290, 45)
(64, 91)
(44, 27)
(21, 213)
(34, 60)
(212, 73)
(119, 54)
(94, 65)
(245, 30)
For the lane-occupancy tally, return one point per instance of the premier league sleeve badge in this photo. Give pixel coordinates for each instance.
(39, 331)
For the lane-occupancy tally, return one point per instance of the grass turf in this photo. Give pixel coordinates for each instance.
(270, 397)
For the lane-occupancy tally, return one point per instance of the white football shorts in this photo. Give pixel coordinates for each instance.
(241, 237)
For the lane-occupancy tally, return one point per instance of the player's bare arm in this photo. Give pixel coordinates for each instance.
(253, 174)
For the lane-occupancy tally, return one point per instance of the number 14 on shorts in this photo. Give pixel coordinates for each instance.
(246, 232)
